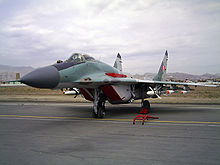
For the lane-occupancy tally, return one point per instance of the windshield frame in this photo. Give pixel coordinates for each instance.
(88, 57)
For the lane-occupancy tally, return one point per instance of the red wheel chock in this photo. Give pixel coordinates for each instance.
(143, 115)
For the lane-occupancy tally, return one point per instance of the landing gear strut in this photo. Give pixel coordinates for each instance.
(98, 105)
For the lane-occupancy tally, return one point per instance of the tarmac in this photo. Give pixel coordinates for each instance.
(64, 133)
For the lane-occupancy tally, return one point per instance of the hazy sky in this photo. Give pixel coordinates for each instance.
(39, 32)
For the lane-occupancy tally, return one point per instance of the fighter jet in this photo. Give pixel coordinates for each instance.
(99, 82)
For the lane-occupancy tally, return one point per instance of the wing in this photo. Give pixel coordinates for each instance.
(174, 83)
(101, 79)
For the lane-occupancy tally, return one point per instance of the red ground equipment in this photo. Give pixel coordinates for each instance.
(143, 115)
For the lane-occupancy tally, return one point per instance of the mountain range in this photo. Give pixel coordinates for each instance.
(8, 73)
(179, 76)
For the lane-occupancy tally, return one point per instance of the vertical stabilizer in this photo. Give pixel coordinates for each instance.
(118, 62)
(162, 70)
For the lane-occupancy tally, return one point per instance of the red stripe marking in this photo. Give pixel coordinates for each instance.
(115, 75)
(86, 94)
(111, 93)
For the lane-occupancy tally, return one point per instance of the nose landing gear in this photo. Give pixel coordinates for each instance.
(98, 104)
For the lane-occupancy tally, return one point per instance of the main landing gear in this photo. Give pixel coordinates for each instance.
(145, 104)
(98, 104)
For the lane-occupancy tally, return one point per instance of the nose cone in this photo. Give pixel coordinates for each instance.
(46, 77)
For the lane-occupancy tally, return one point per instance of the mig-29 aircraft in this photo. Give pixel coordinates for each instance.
(100, 82)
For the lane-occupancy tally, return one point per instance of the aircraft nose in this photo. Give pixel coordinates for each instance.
(46, 77)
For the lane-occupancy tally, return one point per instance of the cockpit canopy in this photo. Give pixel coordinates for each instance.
(78, 58)
(74, 59)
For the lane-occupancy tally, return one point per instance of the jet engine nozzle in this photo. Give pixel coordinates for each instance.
(46, 77)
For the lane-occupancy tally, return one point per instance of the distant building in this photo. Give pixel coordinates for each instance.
(17, 76)
(8, 76)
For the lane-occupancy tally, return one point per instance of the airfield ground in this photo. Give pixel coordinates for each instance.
(202, 95)
(65, 133)
(46, 127)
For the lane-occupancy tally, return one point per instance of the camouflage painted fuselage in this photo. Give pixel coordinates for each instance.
(82, 74)
(93, 74)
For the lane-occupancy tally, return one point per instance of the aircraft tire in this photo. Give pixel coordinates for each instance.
(146, 105)
(100, 110)
(94, 115)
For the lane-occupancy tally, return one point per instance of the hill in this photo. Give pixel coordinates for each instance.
(179, 76)
(8, 73)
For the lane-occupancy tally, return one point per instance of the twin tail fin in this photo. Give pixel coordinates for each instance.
(118, 63)
(162, 70)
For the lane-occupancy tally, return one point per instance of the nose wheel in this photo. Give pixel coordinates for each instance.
(98, 110)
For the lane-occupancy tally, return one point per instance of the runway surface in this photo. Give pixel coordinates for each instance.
(65, 133)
